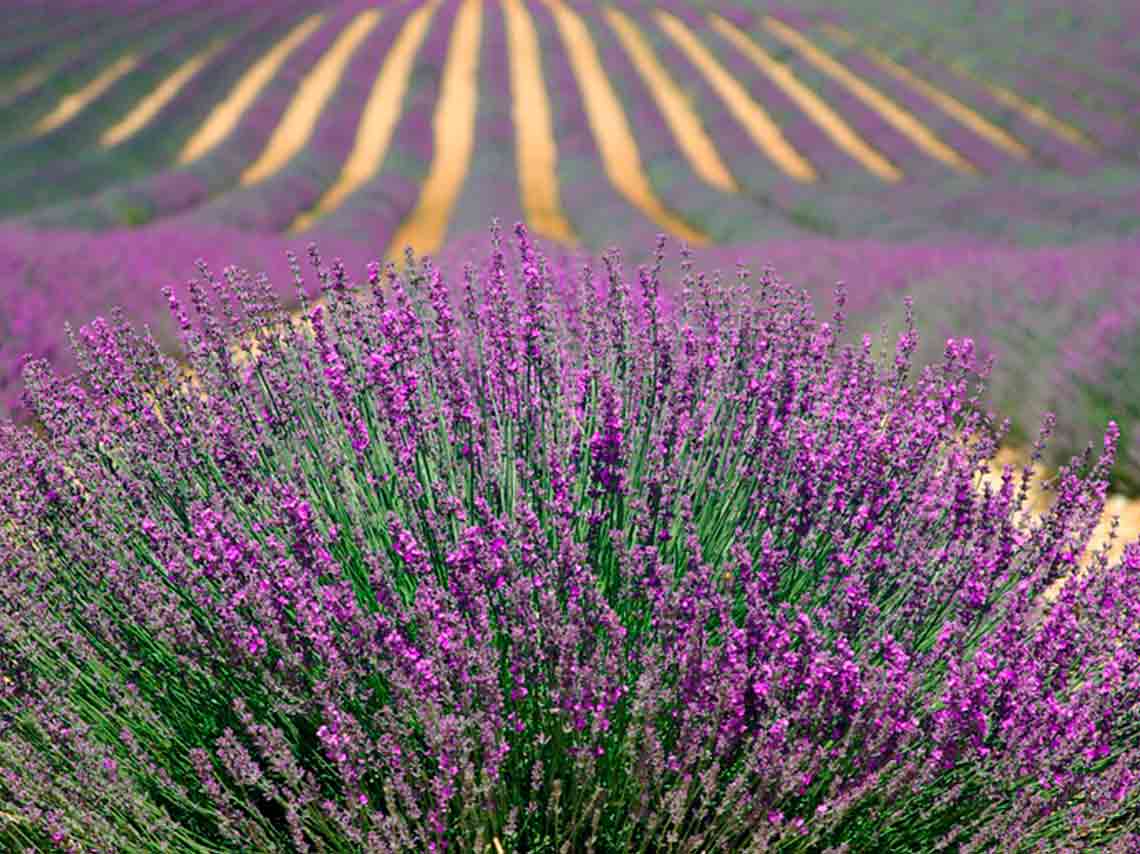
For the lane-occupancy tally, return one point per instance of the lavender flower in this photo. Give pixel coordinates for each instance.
(594, 562)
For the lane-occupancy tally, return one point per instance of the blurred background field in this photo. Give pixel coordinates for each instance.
(980, 156)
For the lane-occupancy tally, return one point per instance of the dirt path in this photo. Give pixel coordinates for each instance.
(902, 121)
(300, 119)
(950, 105)
(755, 120)
(827, 119)
(617, 144)
(151, 104)
(536, 150)
(454, 129)
(378, 121)
(71, 105)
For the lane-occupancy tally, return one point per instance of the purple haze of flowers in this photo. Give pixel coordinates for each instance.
(1060, 321)
(105, 192)
(543, 559)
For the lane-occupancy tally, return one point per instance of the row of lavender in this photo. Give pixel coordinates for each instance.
(51, 277)
(1081, 60)
(544, 560)
(1063, 322)
(80, 167)
(136, 184)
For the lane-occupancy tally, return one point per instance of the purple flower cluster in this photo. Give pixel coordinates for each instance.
(547, 559)
(1058, 320)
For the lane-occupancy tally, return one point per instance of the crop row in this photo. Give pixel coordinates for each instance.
(267, 119)
(1062, 322)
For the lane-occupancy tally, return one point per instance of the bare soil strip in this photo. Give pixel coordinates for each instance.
(226, 115)
(152, 103)
(296, 126)
(678, 113)
(950, 105)
(612, 134)
(901, 120)
(379, 118)
(829, 121)
(536, 151)
(454, 129)
(1029, 110)
(752, 116)
(71, 105)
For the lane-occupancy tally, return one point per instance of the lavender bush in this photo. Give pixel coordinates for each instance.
(549, 561)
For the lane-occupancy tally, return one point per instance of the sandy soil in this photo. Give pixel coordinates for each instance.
(1040, 500)
(379, 118)
(149, 106)
(71, 105)
(950, 105)
(896, 116)
(535, 148)
(755, 120)
(813, 106)
(454, 128)
(1028, 110)
(678, 112)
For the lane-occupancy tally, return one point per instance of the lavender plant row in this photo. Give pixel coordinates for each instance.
(590, 202)
(1017, 37)
(724, 217)
(139, 26)
(1053, 151)
(137, 182)
(538, 561)
(43, 31)
(272, 204)
(1059, 320)
(373, 213)
(25, 158)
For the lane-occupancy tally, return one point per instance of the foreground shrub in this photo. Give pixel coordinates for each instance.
(574, 564)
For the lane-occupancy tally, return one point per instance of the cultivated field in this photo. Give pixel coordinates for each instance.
(238, 129)
(541, 546)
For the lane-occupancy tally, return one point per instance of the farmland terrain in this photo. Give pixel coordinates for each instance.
(983, 157)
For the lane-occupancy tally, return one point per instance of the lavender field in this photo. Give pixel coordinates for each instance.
(234, 131)
(649, 517)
